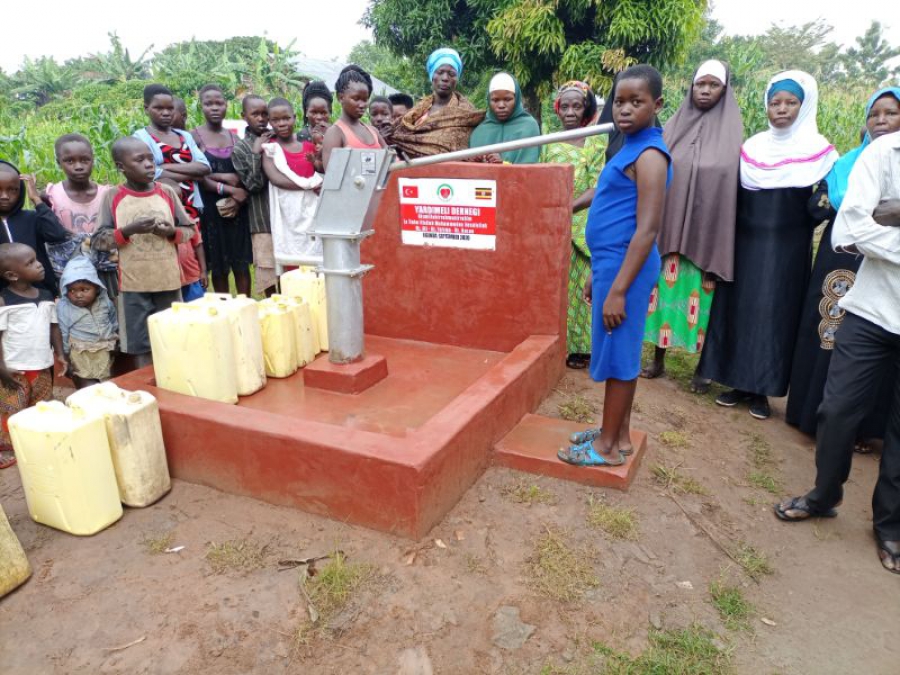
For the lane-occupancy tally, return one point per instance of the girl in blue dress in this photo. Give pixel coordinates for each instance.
(623, 222)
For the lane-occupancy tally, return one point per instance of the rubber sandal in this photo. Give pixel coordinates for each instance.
(799, 504)
(578, 361)
(700, 385)
(585, 455)
(10, 460)
(885, 554)
(588, 436)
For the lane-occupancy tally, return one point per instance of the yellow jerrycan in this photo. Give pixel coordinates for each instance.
(279, 337)
(193, 351)
(247, 339)
(307, 335)
(66, 468)
(306, 284)
(135, 439)
(14, 567)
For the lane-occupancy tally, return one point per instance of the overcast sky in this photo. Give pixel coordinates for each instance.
(65, 29)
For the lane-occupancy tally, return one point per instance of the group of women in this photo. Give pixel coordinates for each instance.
(738, 281)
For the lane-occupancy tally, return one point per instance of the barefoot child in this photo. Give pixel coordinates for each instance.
(353, 87)
(622, 225)
(87, 321)
(33, 228)
(134, 217)
(293, 186)
(30, 337)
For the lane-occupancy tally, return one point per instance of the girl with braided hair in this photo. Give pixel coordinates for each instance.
(353, 87)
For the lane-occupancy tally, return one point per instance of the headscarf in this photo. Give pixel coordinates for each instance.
(519, 125)
(590, 100)
(616, 137)
(712, 67)
(798, 156)
(840, 173)
(701, 203)
(788, 86)
(445, 56)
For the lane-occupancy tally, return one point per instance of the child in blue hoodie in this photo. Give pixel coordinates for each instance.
(87, 320)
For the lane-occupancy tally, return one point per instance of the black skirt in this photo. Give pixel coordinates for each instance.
(754, 319)
(832, 276)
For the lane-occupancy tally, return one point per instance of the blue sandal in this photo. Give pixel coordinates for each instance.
(590, 435)
(584, 454)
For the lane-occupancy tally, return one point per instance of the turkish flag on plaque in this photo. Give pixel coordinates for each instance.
(411, 191)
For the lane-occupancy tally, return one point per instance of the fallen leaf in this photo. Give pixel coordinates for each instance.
(174, 549)
(686, 585)
(439, 543)
(768, 622)
(459, 534)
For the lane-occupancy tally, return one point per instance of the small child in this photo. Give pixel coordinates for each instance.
(30, 337)
(353, 87)
(401, 104)
(623, 222)
(179, 119)
(146, 221)
(33, 228)
(76, 203)
(192, 261)
(88, 323)
(381, 114)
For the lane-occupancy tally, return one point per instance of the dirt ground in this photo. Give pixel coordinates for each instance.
(820, 602)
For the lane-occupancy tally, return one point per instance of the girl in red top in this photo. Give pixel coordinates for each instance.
(353, 87)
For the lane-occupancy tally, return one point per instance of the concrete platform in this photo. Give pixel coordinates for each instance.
(531, 446)
(395, 457)
(350, 378)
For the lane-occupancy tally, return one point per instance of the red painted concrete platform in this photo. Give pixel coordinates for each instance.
(395, 457)
(531, 446)
(349, 378)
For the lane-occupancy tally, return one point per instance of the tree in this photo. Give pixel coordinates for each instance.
(542, 42)
(116, 65)
(868, 61)
(805, 47)
(41, 80)
(398, 71)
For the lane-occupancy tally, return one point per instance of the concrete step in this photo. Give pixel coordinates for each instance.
(532, 444)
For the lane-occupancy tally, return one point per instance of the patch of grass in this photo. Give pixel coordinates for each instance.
(734, 609)
(760, 451)
(754, 562)
(618, 523)
(576, 408)
(671, 477)
(689, 651)
(765, 481)
(559, 570)
(523, 492)
(475, 565)
(675, 439)
(235, 555)
(158, 543)
(330, 591)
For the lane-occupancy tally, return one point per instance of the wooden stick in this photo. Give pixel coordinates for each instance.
(130, 644)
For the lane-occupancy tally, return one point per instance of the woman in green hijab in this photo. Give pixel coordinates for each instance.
(506, 120)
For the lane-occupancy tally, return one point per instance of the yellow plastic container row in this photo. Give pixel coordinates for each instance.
(135, 439)
(307, 285)
(307, 334)
(14, 567)
(193, 351)
(66, 467)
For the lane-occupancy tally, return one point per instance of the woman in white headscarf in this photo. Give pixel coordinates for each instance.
(754, 319)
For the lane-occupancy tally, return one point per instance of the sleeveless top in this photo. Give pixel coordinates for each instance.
(354, 141)
(612, 219)
(219, 153)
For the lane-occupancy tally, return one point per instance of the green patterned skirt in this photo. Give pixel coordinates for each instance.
(578, 324)
(679, 305)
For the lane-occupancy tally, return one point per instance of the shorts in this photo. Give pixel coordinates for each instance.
(91, 361)
(134, 310)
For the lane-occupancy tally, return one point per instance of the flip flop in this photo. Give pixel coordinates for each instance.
(578, 361)
(800, 504)
(886, 554)
(584, 454)
(590, 435)
(7, 460)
